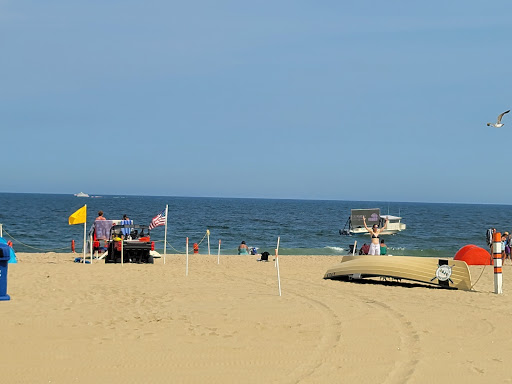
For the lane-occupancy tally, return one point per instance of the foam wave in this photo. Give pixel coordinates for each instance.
(336, 249)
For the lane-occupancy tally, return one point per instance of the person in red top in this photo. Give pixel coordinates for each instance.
(100, 216)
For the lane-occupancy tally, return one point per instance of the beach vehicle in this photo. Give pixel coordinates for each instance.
(446, 273)
(355, 225)
(130, 241)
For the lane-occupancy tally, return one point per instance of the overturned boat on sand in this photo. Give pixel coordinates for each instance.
(445, 273)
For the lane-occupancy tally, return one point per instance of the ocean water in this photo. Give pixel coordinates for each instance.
(39, 223)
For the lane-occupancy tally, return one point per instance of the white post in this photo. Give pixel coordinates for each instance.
(1, 230)
(208, 234)
(278, 276)
(85, 240)
(186, 270)
(85, 232)
(122, 250)
(275, 262)
(90, 244)
(354, 250)
(218, 254)
(165, 236)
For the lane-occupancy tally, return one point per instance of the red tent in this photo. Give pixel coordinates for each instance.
(474, 255)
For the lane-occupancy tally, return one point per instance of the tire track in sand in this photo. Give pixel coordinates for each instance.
(410, 347)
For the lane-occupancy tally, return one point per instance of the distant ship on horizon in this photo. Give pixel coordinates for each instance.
(81, 194)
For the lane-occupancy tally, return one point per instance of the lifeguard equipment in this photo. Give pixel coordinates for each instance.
(196, 248)
(73, 246)
(498, 262)
(474, 255)
(4, 266)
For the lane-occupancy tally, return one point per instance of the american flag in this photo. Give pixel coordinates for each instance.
(158, 220)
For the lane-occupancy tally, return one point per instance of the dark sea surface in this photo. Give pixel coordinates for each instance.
(39, 223)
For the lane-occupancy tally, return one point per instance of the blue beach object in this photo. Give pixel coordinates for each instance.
(4, 262)
(81, 260)
(12, 255)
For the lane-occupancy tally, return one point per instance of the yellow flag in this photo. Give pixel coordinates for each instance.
(79, 217)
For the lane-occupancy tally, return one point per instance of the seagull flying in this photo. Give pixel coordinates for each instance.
(498, 123)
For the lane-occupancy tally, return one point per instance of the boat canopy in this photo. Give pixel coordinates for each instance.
(390, 217)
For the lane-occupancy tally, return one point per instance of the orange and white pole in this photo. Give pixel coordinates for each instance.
(498, 262)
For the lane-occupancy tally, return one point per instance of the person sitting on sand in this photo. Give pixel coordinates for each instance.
(383, 247)
(100, 216)
(242, 249)
(375, 231)
(364, 249)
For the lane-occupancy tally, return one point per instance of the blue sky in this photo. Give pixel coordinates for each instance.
(346, 100)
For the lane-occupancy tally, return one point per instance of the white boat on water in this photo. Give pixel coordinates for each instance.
(355, 224)
(81, 194)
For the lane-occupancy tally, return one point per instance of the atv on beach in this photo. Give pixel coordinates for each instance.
(132, 242)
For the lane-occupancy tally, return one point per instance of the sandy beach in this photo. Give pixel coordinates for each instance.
(76, 323)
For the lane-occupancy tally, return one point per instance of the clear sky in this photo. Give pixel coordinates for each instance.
(345, 100)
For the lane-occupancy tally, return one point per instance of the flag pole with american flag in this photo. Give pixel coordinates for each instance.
(158, 220)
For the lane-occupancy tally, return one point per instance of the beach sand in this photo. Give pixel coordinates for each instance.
(105, 323)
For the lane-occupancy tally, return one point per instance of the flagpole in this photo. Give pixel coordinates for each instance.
(165, 236)
(85, 230)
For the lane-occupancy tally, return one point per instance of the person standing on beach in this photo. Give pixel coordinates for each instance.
(374, 232)
(100, 216)
(489, 236)
(507, 247)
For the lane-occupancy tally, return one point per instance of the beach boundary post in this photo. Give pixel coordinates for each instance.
(122, 251)
(278, 275)
(498, 263)
(1, 230)
(186, 268)
(354, 249)
(91, 246)
(165, 234)
(218, 254)
(208, 234)
(277, 250)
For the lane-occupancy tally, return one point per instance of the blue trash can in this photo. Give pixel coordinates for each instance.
(5, 255)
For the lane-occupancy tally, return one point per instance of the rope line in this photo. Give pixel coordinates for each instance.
(481, 273)
(203, 238)
(169, 244)
(78, 246)
(30, 246)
